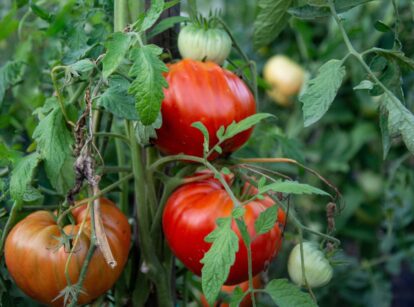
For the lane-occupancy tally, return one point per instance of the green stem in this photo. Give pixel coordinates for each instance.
(9, 224)
(114, 135)
(115, 169)
(134, 7)
(120, 15)
(58, 94)
(87, 260)
(78, 93)
(250, 271)
(124, 186)
(156, 272)
(396, 102)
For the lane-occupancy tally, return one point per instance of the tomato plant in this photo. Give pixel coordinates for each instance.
(96, 101)
(191, 213)
(38, 267)
(202, 92)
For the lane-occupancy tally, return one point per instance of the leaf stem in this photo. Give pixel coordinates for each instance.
(9, 225)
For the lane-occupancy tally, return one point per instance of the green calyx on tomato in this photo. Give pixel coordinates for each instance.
(318, 270)
(191, 213)
(36, 259)
(204, 41)
(207, 93)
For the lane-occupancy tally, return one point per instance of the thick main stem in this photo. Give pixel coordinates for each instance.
(156, 271)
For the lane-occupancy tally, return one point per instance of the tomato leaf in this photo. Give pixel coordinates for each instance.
(200, 126)
(10, 74)
(219, 258)
(364, 85)
(21, 178)
(237, 297)
(151, 16)
(243, 125)
(272, 19)
(266, 220)
(165, 24)
(145, 133)
(148, 83)
(243, 231)
(286, 294)
(81, 66)
(312, 11)
(400, 120)
(321, 91)
(54, 143)
(116, 49)
(292, 187)
(116, 99)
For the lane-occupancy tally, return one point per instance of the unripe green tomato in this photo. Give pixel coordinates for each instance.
(285, 78)
(200, 44)
(318, 270)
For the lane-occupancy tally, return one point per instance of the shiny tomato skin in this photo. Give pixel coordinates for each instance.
(190, 215)
(205, 92)
(37, 263)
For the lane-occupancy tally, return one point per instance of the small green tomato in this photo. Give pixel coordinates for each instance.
(201, 44)
(318, 270)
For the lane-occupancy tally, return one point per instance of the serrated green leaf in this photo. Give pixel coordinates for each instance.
(397, 55)
(116, 99)
(40, 12)
(382, 27)
(145, 133)
(81, 66)
(312, 12)
(21, 178)
(400, 120)
(238, 212)
(286, 294)
(271, 20)
(165, 24)
(54, 143)
(200, 126)
(237, 297)
(148, 83)
(116, 49)
(364, 85)
(219, 258)
(292, 187)
(152, 15)
(10, 74)
(243, 231)
(243, 125)
(266, 220)
(8, 23)
(321, 91)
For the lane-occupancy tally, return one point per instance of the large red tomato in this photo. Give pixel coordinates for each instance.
(190, 215)
(207, 93)
(37, 262)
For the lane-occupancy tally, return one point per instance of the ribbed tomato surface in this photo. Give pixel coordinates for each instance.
(37, 262)
(190, 215)
(203, 92)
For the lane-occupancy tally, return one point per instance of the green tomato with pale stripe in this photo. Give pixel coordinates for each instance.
(318, 270)
(201, 43)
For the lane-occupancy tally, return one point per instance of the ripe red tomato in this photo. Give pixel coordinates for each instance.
(37, 262)
(246, 302)
(203, 92)
(190, 215)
